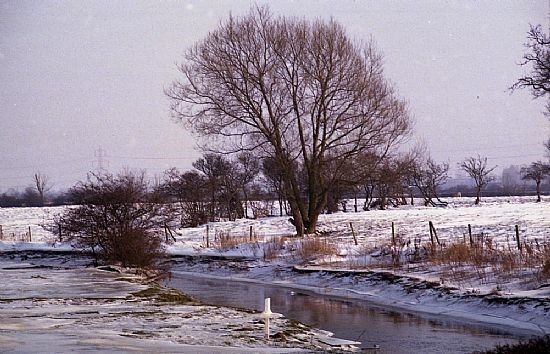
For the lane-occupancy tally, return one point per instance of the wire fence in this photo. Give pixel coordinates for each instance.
(20, 233)
(377, 234)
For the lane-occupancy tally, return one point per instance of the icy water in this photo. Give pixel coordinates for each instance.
(395, 332)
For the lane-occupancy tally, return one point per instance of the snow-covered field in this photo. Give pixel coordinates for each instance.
(495, 218)
(518, 299)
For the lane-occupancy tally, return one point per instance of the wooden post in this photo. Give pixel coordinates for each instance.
(251, 239)
(517, 238)
(431, 232)
(432, 228)
(353, 233)
(1, 233)
(207, 239)
(392, 233)
(30, 235)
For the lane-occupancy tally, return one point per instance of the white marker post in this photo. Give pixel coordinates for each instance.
(266, 315)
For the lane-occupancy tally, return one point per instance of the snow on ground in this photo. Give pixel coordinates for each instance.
(45, 308)
(518, 299)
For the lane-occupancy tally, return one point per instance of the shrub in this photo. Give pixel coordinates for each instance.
(118, 218)
(310, 249)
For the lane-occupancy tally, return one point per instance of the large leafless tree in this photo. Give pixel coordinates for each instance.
(299, 92)
(477, 169)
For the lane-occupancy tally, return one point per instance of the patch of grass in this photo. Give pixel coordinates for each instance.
(312, 248)
(273, 248)
(539, 345)
(149, 292)
(175, 297)
(225, 241)
(165, 295)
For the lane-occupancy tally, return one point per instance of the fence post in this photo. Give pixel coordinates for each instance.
(517, 238)
(470, 234)
(207, 239)
(353, 233)
(1, 233)
(433, 233)
(250, 233)
(392, 233)
(30, 235)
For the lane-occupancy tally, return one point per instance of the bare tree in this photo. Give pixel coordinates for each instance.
(215, 168)
(537, 172)
(189, 191)
(274, 178)
(476, 168)
(538, 57)
(248, 168)
(366, 165)
(292, 90)
(428, 176)
(43, 185)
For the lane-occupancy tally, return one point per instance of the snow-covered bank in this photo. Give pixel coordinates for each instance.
(521, 315)
(48, 308)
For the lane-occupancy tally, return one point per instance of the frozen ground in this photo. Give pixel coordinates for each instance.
(519, 299)
(48, 309)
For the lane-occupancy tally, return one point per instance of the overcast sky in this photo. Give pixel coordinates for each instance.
(79, 75)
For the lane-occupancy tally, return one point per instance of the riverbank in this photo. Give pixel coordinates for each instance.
(118, 312)
(57, 304)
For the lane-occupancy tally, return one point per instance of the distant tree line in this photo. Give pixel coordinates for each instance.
(30, 197)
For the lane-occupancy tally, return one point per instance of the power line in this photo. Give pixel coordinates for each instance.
(153, 158)
(513, 157)
(100, 156)
(488, 148)
(44, 164)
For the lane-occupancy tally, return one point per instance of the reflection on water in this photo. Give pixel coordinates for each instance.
(394, 332)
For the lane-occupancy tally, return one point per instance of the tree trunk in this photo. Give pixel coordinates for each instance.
(245, 195)
(538, 192)
(316, 211)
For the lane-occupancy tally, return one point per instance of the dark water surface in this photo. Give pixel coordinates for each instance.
(394, 332)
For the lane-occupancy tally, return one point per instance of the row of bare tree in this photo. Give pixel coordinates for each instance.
(221, 187)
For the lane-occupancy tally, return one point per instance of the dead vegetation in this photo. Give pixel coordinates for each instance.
(482, 260)
(314, 249)
(224, 241)
(273, 248)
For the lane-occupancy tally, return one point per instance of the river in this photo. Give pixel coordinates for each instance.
(395, 332)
